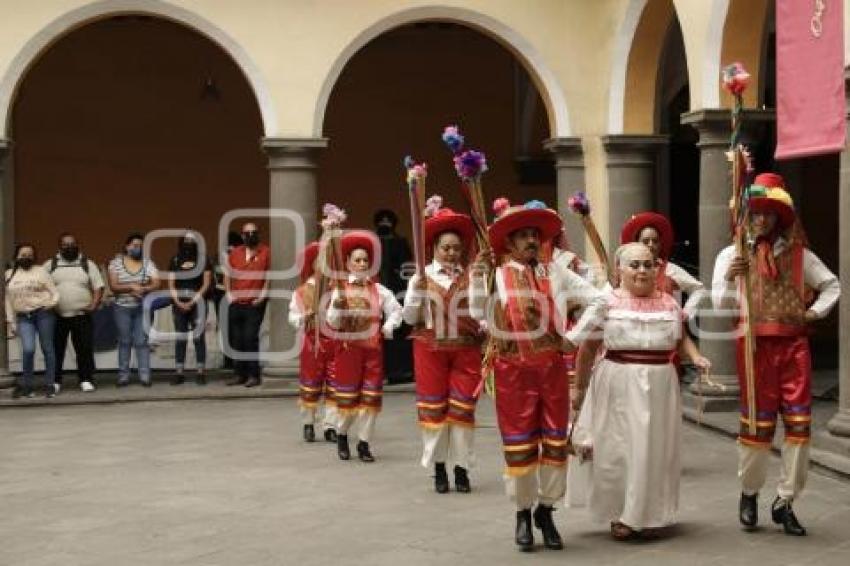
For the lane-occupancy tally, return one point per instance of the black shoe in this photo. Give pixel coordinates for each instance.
(237, 380)
(342, 447)
(441, 478)
(543, 521)
(309, 433)
(50, 392)
(147, 382)
(524, 535)
(363, 452)
(330, 435)
(748, 510)
(462, 480)
(784, 515)
(178, 379)
(253, 382)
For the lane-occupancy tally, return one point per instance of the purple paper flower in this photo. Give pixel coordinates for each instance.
(453, 139)
(470, 164)
(579, 204)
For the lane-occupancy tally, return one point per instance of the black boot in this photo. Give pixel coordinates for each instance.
(330, 435)
(543, 521)
(784, 515)
(309, 433)
(441, 478)
(524, 535)
(342, 447)
(461, 480)
(748, 510)
(363, 452)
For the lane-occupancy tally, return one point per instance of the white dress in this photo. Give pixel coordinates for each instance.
(632, 417)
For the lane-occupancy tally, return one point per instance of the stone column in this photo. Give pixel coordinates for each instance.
(838, 426)
(292, 187)
(569, 166)
(6, 215)
(631, 164)
(714, 128)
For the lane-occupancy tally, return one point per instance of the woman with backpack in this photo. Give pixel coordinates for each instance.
(189, 282)
(30, 298)
(131, 277)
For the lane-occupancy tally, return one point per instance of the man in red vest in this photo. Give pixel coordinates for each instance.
(785, 277)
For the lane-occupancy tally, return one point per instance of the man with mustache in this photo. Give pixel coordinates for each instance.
(526, 320)
(784, 276)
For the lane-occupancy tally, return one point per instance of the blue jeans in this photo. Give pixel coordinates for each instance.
(131, 335)
(42, 323)
(190, 324)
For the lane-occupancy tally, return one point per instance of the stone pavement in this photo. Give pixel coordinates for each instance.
(230, 483)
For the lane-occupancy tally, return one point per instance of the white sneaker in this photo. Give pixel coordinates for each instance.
(86, 386)
(56, 388)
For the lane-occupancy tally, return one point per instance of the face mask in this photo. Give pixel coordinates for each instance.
(24, 262)
(189, 249)
(69, 253)
(384, 230)
(135, 253)
(251, 239)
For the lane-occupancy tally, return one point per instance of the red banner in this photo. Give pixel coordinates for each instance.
(810, 102)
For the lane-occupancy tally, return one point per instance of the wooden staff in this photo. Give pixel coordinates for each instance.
(416, 175)
(580, 206)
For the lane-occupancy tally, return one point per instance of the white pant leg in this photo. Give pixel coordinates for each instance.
(435, 446)
(461, 445)
(308, 415)
(366, 424)
(522, 489)
(344, 421)
(752, 467)
(553, 484)
(795, 469)
(331, 416)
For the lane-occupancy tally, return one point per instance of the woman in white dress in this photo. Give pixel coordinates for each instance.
(633, 414)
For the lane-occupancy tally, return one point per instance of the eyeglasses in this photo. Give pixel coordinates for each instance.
(647, 264)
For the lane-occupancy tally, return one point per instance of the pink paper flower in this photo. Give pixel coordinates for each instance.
(579, 204)
(735, 78)
(453, 139)
(500, 206)
(433, 205)
(333, 216)
(416, 172)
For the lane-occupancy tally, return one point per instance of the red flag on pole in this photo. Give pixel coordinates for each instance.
(810, 103)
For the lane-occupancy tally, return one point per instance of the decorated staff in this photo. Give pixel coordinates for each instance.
(580, 206)
(416, 175)
(330, 266)
(735, 81)
(470, 166)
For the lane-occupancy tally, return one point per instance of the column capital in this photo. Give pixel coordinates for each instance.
(293, 153)
(714, 125)
(625, 150)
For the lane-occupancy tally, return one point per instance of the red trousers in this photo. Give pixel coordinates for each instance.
(317, 371)
(783, 377)
(359, 377)
(446, 384)
(532, 407)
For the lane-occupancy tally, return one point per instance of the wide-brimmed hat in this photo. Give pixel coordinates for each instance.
(307, 258)
(633, 227)
(768, 194)
(361, 239)
(447, 220)
(509, 219)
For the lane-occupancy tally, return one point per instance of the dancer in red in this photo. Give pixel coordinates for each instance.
(316, 359)
(362, 314)
(530, 376)
(655, 232)
(784, 277)
(446, 348)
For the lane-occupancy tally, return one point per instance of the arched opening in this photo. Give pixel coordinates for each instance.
(133, 122)
(395, 95)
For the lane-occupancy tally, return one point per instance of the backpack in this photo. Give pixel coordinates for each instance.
(84, 264)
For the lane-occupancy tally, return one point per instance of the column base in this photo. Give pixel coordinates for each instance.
(280, 376)
(832, 451)
(718, 396)
(839, 424)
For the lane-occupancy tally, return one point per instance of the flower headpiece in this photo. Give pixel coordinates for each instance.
(433, 205)
(735, 78)
(332, 216)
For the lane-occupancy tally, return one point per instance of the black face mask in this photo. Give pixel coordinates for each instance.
(251, 239)
(189, 249)
(384, 230)
(24, 263)
(69, 253)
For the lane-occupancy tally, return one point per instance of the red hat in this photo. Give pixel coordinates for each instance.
(768, 194)
(447, 220)
(364, 239)
(509, 219)
(632, 229)
(307, 258)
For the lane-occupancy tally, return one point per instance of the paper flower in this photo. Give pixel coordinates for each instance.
(579, 204)
(735, 78)
(433, 205)
(333, 216)
(416, 172)
(453, 139)
(500, 205)
(470, 164)
(535, 205)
